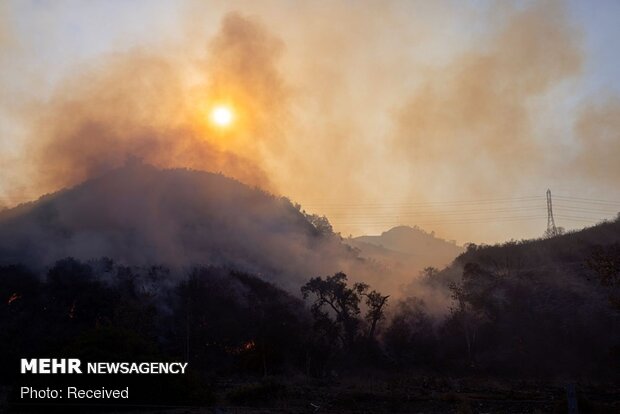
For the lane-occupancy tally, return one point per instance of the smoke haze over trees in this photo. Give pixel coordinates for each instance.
(140, 215)
(512, 315)
(142, 263)
(504, 309)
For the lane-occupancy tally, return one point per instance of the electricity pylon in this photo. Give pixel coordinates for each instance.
(552, 231)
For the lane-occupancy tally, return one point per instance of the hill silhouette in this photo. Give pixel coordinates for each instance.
(537, 306)
(567, 255)
(405, 246)
(138, 215)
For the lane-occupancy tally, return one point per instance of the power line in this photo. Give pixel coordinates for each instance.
(469, 212)
(490, 210)
(589, 200)
(431, 213)
(422, 203)
(461, 212)
(453, 221)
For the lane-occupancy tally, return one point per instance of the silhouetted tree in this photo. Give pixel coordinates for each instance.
(409, 337)
(471, 305)
(320, 223)
(376, 303)
(605, 262)
(336, 307)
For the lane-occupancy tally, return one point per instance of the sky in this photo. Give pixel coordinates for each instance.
(455, 116)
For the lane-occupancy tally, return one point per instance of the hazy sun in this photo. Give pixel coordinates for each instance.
(222, 115)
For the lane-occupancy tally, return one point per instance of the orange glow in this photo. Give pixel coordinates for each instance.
(246, 347)
(13, 298)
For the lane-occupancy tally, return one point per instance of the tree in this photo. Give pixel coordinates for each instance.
(410, 335)
(472, 304)
(431, 276)
(558, 231)
(336, 307)
(320, 223)
(376, 303)
(605, 262)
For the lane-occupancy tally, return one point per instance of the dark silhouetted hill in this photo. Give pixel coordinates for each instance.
(567, 254)
(536, 307)
(141, 215)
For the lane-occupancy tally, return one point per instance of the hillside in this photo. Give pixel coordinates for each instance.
(539, 306)
(407, 249)
(140, 215)
(567, 254)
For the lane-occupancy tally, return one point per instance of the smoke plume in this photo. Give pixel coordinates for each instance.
(380, 103)
(472, 122)
(154, 106)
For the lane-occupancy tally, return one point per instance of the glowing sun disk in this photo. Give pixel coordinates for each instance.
(222, 115)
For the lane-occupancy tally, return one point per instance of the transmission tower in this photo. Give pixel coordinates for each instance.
(552, 231)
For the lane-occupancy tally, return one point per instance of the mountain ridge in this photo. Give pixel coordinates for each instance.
(139, 214)
(406, 248)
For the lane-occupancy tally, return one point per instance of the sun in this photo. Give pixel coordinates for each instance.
(222, 115)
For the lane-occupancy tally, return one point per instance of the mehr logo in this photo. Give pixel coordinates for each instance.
(50, 366)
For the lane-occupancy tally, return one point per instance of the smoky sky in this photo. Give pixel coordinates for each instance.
(472, 120)
(377, 102)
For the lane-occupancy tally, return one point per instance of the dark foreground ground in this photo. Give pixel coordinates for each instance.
(393, 395)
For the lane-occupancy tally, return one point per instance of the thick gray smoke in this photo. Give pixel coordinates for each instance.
(340, 104)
